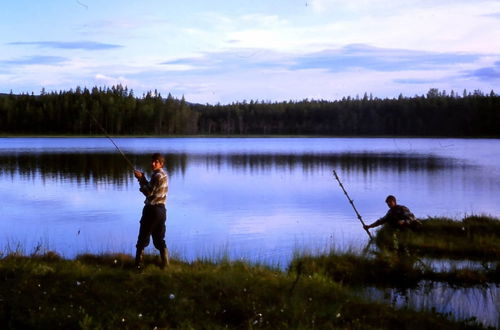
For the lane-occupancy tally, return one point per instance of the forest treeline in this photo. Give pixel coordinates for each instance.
(82, 111)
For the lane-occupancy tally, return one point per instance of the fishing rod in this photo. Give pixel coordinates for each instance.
(352, 204)
(110, 139)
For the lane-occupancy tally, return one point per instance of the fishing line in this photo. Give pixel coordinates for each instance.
(110, 139)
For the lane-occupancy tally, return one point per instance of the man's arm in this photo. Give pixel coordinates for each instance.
(377, 223)
(156, 188)
(143, 183)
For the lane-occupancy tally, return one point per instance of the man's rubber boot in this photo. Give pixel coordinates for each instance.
(164, 258)
(139, 253)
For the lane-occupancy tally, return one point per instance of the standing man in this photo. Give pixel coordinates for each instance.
(398, 216)
(154, 214)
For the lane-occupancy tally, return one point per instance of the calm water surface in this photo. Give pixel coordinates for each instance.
(253, 198)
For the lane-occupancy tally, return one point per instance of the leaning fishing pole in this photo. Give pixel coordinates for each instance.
(352, 204)
(110, 139)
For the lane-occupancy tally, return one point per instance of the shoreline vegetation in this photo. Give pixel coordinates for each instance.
(44, 290)
(82, 111)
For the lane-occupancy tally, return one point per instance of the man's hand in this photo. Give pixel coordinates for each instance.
(403, 223)
(138, 174)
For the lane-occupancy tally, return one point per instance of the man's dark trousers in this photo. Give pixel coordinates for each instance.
(152, 224)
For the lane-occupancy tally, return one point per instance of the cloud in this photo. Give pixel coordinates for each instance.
(379, 59)
(100, 79)
(330, 73)
(231, 60)
(85, 45)
(486, 73)
(378, 5)
(348, 58)
(36, 60)
(416, 81)
(495, 15)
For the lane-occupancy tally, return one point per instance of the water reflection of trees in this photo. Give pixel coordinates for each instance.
(111, 167)
(355, 162)
(82, 167)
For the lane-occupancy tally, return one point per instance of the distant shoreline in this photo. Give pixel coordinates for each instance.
(249, 136)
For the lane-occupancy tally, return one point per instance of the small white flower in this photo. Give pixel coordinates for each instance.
(115, 261)
(140, 315)
(171, 296)
(123, 320)
(338, 315)
(78, 283)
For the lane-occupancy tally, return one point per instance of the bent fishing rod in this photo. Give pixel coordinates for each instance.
(352, 204)
(110, 139)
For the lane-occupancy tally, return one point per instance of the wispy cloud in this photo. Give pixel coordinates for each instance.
(333, 60)
(36, 60)
(242, 59)
(495, 15)
(85, 45)
(486, 73)
(415, 81)
(379, 59)
(374, 5)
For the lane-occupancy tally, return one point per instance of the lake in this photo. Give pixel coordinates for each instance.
(261, 199)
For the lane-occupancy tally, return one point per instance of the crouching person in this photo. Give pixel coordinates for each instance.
(398, 216)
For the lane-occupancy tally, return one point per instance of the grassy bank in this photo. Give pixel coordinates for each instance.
(474, 237)
(389, 270)
(398, 260)
(102, 292)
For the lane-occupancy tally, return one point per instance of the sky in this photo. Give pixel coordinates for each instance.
(270, 50)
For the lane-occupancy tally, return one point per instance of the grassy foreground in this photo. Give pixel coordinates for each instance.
(106, 292)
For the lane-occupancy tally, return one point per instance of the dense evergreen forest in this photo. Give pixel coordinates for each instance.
(121, 113)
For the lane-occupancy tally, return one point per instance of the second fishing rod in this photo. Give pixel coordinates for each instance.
(352, 204)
